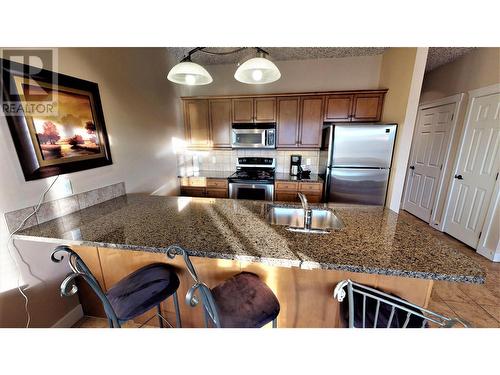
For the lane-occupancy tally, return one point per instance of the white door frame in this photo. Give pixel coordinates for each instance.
(458, 100)
(487, 90)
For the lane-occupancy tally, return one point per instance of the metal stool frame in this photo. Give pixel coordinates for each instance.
(396, 303)
(211, 314)
(80, 269)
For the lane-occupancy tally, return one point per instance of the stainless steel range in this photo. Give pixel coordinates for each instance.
(253, 179)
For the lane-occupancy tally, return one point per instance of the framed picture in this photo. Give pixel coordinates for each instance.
(56, 121)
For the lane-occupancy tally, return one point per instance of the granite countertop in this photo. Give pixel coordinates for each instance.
(208, 174)
(374, 240)
(287, 177)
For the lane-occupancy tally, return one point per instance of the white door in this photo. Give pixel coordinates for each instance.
(477, 168)
(431, 143)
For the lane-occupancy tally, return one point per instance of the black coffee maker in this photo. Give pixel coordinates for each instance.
(295, 165)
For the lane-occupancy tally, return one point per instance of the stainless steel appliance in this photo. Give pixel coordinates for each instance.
(295, 165)
(356, 161)
(253, 136)
(253, 179)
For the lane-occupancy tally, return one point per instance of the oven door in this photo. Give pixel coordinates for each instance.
(249, 138)
(244, 190)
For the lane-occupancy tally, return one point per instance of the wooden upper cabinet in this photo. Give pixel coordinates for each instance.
(367, 107)
(197, 122)
(243, 111)
(265, 109)
(288, 121)
(220, 122)
(338, 108)
(311, 121)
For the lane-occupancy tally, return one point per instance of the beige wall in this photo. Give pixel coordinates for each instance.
(142, 114)
(401, 72)
(479, 68)
(348, 73)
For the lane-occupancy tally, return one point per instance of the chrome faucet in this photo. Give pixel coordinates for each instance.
(307, 211)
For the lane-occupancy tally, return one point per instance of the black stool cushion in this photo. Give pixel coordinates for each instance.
(244, 301)
(142, 290)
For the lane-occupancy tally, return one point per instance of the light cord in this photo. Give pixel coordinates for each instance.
(14, 259)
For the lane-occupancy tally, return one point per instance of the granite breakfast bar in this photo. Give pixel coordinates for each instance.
(376, 247)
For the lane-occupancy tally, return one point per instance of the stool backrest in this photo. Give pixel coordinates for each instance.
(80, 269)
(205, 294)
(402, 314)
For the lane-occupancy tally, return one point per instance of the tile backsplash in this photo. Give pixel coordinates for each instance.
(225, 160)
(60, 207)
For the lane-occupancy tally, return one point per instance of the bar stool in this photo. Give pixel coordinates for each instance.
(242, 301)
(132, 296)
(370, 308)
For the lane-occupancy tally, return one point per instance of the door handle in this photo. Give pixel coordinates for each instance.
(412, 167)
(459, 177)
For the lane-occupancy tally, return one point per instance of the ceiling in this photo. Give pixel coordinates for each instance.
(437, 55)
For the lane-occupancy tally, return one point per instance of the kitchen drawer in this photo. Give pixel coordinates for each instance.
(286, 185)
(286, 197)
(217, 184)
(193, 181)
(193, 191)
(217, 193)
(310, 186)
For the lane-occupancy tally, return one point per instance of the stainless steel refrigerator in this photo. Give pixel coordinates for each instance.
(356, 162)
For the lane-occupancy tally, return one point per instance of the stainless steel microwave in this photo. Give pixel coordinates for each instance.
(253, 136)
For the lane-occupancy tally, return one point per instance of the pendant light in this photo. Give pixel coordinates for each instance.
(189, 73)
(258, 70)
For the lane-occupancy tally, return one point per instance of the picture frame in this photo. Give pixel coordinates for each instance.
(56, 121)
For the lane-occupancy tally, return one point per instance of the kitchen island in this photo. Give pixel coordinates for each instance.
(376, 247)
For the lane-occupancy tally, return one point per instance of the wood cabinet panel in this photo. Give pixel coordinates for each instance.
(312, 197)
(220, 122)
(243, 111)
(311, 187)
(311, 121)
(217, 193)
(216, 183)
(367, 107)
(288, 121)
(91, 304)
(338, 108)
(193, 181)
(286, 185)
(265, 110)
(283, 196)
(197, 123)
(193, 191)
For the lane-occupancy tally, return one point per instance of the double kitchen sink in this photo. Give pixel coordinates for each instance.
(304, 220)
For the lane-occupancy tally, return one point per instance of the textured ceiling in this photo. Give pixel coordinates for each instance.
(437, 55)
(442, 55)
(276, 53)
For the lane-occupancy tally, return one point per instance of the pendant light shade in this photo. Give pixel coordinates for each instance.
(257, 71)
(189, 73)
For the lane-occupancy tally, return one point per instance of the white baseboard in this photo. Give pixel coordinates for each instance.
(68, 320)
(495, 257)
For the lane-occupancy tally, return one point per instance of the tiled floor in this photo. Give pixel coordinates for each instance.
(478, 304)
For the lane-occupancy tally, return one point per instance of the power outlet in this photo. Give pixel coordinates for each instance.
(61, 189)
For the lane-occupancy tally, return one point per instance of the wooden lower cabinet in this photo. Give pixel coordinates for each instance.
(305, 296)
(286, 191)
(204, 187)
(193, 191)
